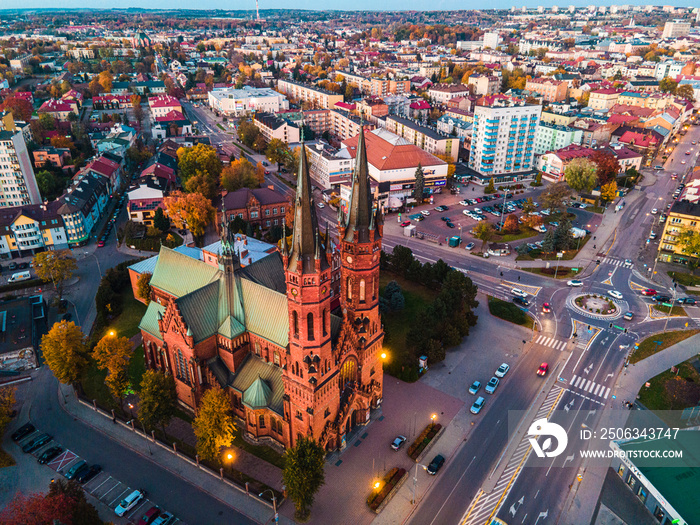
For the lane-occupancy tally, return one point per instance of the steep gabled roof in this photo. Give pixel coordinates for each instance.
(178, 274)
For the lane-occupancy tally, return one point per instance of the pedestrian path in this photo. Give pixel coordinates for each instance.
(589, 386)
(551, 342)
(485, 506)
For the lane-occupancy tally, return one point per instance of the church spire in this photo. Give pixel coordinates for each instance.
(360, 207)
(303, 250)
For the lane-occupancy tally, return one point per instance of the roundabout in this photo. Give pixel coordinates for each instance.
(595, 306)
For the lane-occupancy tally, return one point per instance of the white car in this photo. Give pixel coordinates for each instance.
(502, 370)
(615, 294)
(654, 211)
(467, 213)
(425, 212)
(492, 385)
(321, 205)
(477, 406)
(517, 292)
(129, 502)
(574, 282)
(469, 246)
(464, 203)
(476, 386)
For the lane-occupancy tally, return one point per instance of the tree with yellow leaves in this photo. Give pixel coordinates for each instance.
(113, 354)
(105, 79)
(214, 424)
(608, 191)
(239, 174)
(65, 351)
(56, 266)
(191, 210)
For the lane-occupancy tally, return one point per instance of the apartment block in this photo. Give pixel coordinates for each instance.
(377, 87)
(317, 98)
(441, 93)
(18, 185)
(683, 215)
(550, 89)
(26, 230)
(550, 137)
(273, 127)
(503, 140)
(230, 101)
(428, 139)
(485, 84)
(675, 29)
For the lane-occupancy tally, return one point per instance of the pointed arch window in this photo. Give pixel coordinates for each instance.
(362, 290)
(295, 323)
(310, 326)
(325, 322)
(348, 287)
(276, 358)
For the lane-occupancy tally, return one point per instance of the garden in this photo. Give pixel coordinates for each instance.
(597, 304)
(383, 489)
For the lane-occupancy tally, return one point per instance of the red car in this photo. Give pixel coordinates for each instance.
(100, 244)
(543, 369)
(405, 223)
(546, 308)
(649, 291)
(149, 517)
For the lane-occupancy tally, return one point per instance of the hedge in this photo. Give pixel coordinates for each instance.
(423, 440)
(387, 484)
(21, 285)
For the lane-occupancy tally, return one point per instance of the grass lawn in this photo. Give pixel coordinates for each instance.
(127, 324)
(649, 347)
(685, 279)
(670, 391)
(397, 324)
(5, 459)
(263, 452)
(220, 127)
(675, 310)
(562, 273)
(509, 312)
(510, 237)
(94, 381)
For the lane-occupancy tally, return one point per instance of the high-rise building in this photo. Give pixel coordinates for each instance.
(503, 139)
(676, 29)
(18, 185)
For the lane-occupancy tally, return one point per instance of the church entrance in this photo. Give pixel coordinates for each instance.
(348, 373)
(350, 423)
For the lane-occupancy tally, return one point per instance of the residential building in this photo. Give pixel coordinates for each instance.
(326, 168)
(676, 29)
(441, 93)
(57, 157)
(603, 99)
(20, 62)
(550, 89)
(111, 101)
(59, 109)
(144, 198)
(82, 205)
(26, 230)
(553, 163)
(683, 215)
(491, 39)
(550, 137)
(343, 125)
(149, 87)
(18, 185)
(161, 105)
(454, 126)
(484, 84)
(261, 207)
(372, 108)
(273, 127)
(426, 138)
(237, 102)
(265, 333)
(503, 140)
(317, 98)
(376, 87)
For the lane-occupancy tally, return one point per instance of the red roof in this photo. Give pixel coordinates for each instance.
(384, 155)
(172, 115)
(56, 106)
(345, 106)
(420, 104)
(638, 139)
(571, 152)
(163, 101)
(159, 170)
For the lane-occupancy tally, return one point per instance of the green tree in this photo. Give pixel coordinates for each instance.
(239, 174)
(202, 160)
(555, 196)
(608, 192)
(276, 151)
(113, 354)
(7, 405)
(157, 399)
(213, 425)
(490, 188)
(247, 132)
(50, 186)
(55, 267)
(143, 286)
(65, 351)
(160, 220)
(689, 241)
(484, 232)
(303, 474)
(418, 185)
(668, 85)
(686, 91)
(580, 174)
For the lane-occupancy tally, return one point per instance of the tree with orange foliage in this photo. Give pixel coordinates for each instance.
(60, 141)
(20, 108)
(608, 166)
(511, 224)
(190, 209)
(260, 173)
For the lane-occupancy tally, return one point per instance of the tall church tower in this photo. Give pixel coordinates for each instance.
(309, 360)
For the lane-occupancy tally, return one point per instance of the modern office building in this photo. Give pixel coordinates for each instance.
(237, 102)
(18, 185)
(503, 140)
(315, 97)
(428, 139)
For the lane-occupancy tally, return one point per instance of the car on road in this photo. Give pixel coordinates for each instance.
(436, 464)
(441, 208)
(478, 405)
(77, 469)
(521, 302)
(574, 282)
(476, 386)
(658, 167)
(36, 443)
(628, 316)
(502, 370)
(654, 211)
(398, 442)
(660, 298)
(87, 474)
(405, 223)
(469, 246)
(491, 385)
(546, 308)
(649, 292)
(321, 205)
(23, 431)
(614, 294)
(689, 301)
(129, 502)
(687, 152)
(150, 516)
(628, 262)
(683, 161)
(543, 369)
(652, 235)
(517, 292)
(49, 454)
(425, 212)
(100, 243)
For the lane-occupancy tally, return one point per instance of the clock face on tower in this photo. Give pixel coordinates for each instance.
(349, 259)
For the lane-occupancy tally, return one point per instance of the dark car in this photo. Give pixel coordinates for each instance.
(49, 454)
(686, 300)
(662, 298)
(12, 266)
(36, 443)
(149, 517)
(23, 431)
(23, 266)
(520, 301)
(76, 469)
(436, 464)
(86, 475)
(449, 225)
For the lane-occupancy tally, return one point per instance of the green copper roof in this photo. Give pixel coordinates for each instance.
(199, 310)
(149, 322)
(179, 274)
(266, 312)
(257, 395)
(231, 328)
(254, 369)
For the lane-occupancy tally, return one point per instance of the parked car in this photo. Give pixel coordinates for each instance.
(398, 442)
(165, 518)
(76, 469)
(129, 502)
(49, 454)
(491, 385)
(543, 369)
(36, 443)
(86, 475)
(615, 294)
(574, 282)
(425, 212)
(321, 205)
(23, 431)
(502, 370)
(436, 464)
(449, 224)
(654, 211)
(100, 243)
(478, 405)
(150, 516)
(469, 246)
(476, 386)
(517, 292)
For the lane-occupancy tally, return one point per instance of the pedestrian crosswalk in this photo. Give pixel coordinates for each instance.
(590, 387)
(612, 261)
(551, 342)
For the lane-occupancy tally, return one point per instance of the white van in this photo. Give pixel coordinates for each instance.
(19, 276)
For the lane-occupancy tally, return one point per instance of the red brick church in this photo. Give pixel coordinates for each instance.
(266, 332)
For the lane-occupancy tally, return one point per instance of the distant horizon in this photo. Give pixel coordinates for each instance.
(308, 5)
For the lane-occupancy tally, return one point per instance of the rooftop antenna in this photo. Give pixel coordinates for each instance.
(257, 10)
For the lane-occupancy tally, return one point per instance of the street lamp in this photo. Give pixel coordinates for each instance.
(274, 502)
(415, 481)
(503, 210)
(433, 418)
(559, 256)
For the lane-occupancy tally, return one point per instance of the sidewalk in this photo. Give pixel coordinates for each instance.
(582, 502)
(178, 465)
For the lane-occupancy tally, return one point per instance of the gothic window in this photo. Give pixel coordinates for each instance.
(325, 322)
(362, 290)
(257, 348)
(348, 286)
(276, 358)
(310, 326)
(261, 421)
(295, 323)
(348, 373)
(327, 413)
(182, 374)
(299, 415)
(374, 289)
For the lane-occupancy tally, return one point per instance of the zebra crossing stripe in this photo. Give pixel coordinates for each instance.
(606, 394)
(578, 381)
(573, 379)
(597, 388)
(588, 383)
(590, 388)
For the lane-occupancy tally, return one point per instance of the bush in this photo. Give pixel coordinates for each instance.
(423, 440)
(389, 481)
(507, 311)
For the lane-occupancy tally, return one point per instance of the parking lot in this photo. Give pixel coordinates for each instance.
(102, 486)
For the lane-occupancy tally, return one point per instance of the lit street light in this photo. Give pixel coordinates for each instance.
(274, 502)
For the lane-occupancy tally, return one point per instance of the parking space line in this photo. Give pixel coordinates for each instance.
(98, 486)
(114, 487)
(135, 509)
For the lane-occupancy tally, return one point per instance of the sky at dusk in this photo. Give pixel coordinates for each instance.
(385, 5)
